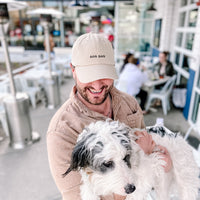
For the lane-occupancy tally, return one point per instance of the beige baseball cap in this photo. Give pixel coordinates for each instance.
(93, 58)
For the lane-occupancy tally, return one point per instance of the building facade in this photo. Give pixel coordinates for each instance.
(173, 27)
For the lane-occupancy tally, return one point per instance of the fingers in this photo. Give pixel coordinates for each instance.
(140, 133)
(145, 141)
(164, 156)
(162, 149)
(148, 145)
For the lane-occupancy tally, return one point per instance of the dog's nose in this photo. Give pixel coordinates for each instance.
(129, 188)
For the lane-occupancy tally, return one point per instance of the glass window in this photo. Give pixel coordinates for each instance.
(198, 82)
(182, 19)
(177, 58)
(183, 2)
(183, 81)
(134, 30)
(186, 62)
(195, 108)
(189, 41)
(179, 39)
(193, 18)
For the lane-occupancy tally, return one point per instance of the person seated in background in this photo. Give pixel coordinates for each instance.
(164, 67)
(132, 78)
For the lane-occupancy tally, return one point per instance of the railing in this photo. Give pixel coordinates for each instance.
(23, 68)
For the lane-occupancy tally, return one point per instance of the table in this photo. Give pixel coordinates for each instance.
(153, 83)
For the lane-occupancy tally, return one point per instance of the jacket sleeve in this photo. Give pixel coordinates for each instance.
(170, 69)
(59, 147)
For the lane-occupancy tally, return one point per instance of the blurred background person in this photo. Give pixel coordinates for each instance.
(164, 67)
(51, 43)
(132, 78)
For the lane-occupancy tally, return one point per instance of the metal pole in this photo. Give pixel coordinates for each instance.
(116, 31)
(62, 32)
(7, 59)
(47, 40)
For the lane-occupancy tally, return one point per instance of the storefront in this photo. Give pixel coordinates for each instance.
(171, 27)
(181, 37)
(26, 31)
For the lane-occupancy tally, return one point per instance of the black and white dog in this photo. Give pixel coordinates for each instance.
(110, 161)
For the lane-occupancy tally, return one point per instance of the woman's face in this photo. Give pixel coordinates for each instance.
(162, 58)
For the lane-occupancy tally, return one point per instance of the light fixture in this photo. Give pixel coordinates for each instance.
(76, 5)
(85, 5)
(4, 15)
(95, 4)
(151, 8)
(130, 3)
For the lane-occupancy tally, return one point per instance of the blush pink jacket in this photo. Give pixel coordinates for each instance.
(68, 122)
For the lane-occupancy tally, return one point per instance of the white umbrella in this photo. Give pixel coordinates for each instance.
(46, 11)
(11, 5)
(14, 5)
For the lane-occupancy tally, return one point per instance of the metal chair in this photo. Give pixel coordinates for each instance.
(194, 127)
(162, 94)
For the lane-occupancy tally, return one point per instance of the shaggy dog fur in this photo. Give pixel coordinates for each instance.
(110, 161)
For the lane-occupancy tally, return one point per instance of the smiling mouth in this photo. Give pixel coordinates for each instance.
(95, 92)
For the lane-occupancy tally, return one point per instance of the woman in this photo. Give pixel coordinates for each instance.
(164, 67)
(132, 78)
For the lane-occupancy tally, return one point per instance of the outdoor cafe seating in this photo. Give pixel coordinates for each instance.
(163, 94)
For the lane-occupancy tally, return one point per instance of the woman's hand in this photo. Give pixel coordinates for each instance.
(145, 141)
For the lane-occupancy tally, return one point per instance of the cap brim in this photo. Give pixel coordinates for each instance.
(92, 73)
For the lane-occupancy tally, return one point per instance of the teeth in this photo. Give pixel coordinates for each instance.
(95, 92)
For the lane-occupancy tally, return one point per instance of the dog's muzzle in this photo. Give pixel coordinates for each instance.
(129, 188)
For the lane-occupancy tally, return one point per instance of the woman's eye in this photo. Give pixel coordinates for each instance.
(108, 164)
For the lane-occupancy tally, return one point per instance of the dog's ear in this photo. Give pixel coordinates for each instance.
(80, 157)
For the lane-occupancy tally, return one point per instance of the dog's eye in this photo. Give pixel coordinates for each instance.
(108, 164)
(127, 160)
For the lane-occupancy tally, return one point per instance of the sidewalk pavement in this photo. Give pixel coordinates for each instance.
(25, 174)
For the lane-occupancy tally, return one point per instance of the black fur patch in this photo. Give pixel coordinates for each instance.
(160, 130)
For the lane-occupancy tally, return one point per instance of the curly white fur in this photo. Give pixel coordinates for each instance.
(110, 161)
